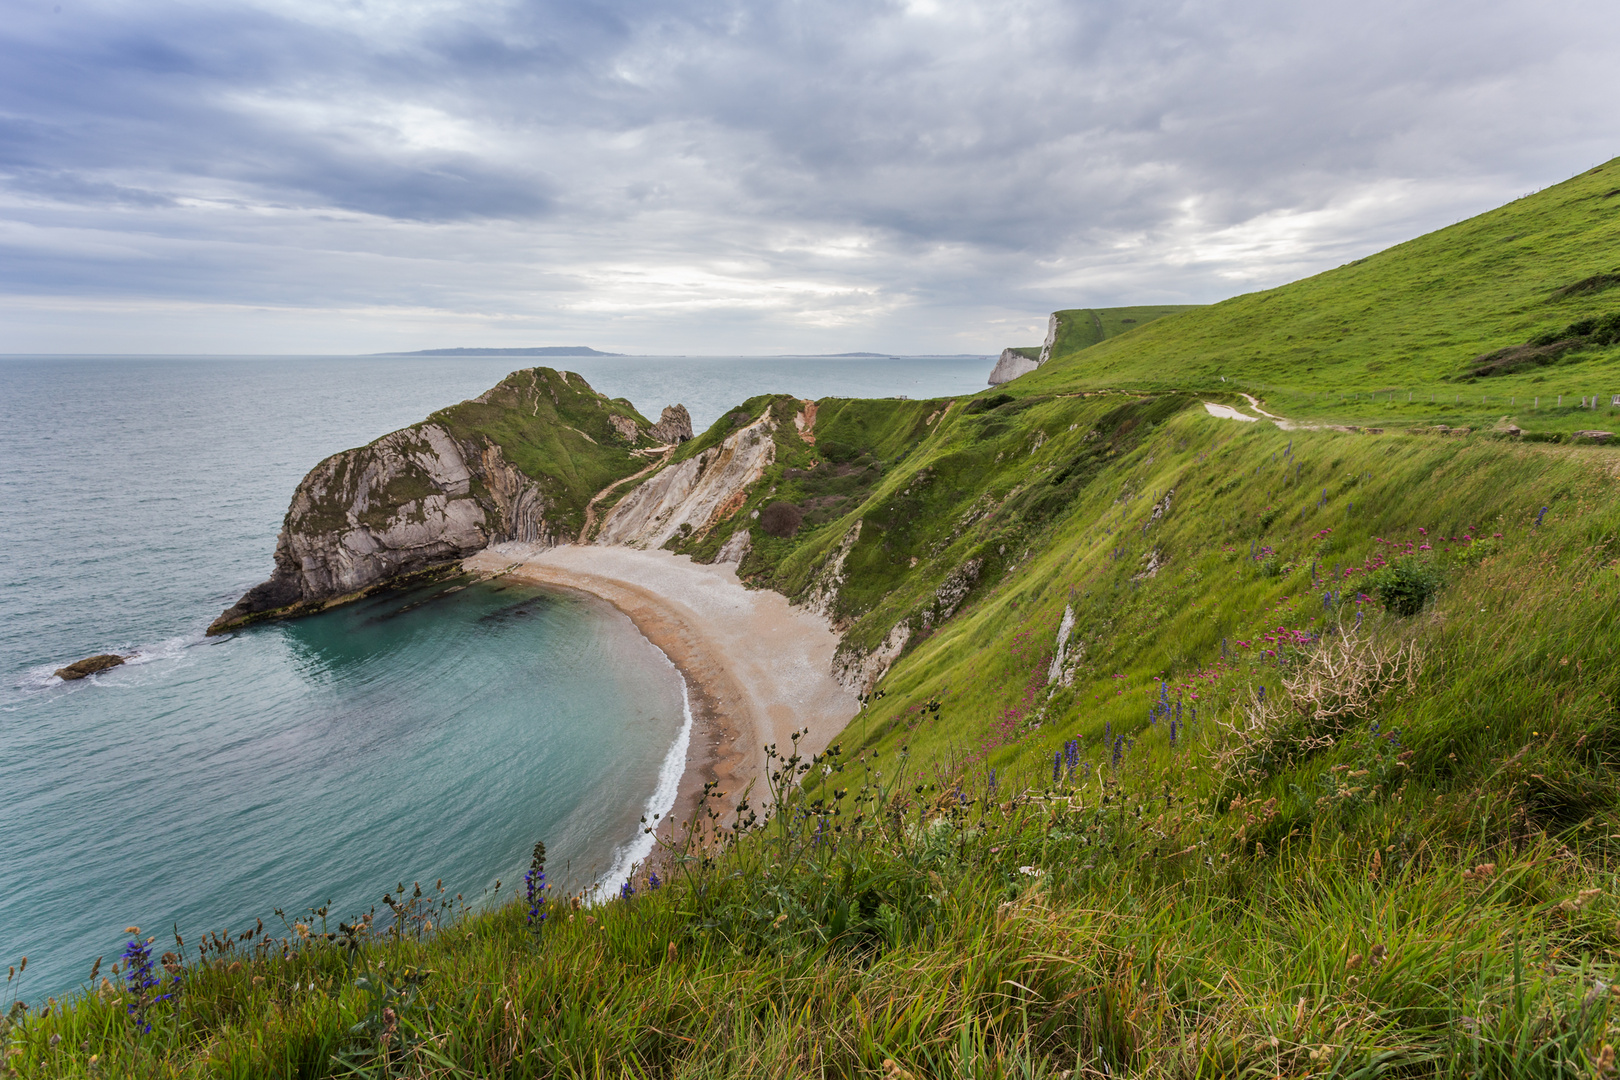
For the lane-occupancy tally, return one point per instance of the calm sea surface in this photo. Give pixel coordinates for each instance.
(435, 733)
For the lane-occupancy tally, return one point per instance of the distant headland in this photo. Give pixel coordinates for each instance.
(541, 350)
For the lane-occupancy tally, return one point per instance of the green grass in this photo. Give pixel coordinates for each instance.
(1081, 328)
(1408, 319)
(1381, 842)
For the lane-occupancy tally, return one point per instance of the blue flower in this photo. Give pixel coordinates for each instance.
(534, 885)
(140, 980)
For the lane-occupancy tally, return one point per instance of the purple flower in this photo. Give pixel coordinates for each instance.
(1541, 515)
(534, 885)
(652, 881)
(140, 980)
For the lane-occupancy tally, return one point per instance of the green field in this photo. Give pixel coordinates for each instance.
(1323, 785)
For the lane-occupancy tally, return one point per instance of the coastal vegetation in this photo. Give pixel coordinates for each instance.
(1198, 747)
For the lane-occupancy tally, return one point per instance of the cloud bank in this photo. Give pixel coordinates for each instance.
(671, 176)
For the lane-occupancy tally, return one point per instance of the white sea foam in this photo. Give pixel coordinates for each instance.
(43, 677)
(662, 800)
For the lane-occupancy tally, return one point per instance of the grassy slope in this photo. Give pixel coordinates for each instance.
(1081, 328)
(1286, 888)
(1407, 319)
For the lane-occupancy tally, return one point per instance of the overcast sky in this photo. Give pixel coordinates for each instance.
(657, 176)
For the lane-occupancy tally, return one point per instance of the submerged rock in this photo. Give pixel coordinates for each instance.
(89, 666)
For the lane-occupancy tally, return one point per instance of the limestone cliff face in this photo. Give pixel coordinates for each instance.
(1011, 365)
(693, 496)
(858, 670)
(411, 500)
(1052, 322)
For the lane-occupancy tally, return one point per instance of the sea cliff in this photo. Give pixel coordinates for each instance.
(519, 462)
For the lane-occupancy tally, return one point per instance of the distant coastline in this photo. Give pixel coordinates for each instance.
(586, 350)
(540, 350)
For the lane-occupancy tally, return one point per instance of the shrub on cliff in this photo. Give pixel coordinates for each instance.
(1407, 585)
(781, 519)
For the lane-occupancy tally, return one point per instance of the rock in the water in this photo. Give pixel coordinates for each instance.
(674, 426)
(89, 666)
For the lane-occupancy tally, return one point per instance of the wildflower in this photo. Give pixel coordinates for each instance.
(534, 885)
(626, 891)
(140, 980)
(1541, 515)
(1057, 764)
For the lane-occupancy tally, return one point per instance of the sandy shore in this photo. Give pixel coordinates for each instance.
(756, 668)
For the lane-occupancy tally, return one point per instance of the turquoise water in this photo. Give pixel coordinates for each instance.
(434, 733)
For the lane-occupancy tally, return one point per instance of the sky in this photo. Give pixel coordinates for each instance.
(690, 177)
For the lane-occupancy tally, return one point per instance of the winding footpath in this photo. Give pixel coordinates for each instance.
(590, 507)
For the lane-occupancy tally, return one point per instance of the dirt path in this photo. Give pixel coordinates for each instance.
(1226, 412)
(590, 507)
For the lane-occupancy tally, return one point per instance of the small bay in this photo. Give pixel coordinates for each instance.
(418, 735)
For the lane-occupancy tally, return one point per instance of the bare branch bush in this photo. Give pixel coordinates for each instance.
(1338, 685)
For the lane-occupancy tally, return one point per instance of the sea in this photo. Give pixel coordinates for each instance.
(422, 737)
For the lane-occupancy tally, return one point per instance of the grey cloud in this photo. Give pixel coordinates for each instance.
(538, 159)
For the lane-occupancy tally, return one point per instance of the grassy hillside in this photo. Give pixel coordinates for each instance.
(1081, 328)
(1409, 320)
(1215, 749)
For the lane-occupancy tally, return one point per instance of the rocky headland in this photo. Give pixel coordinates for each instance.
(518, 463)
